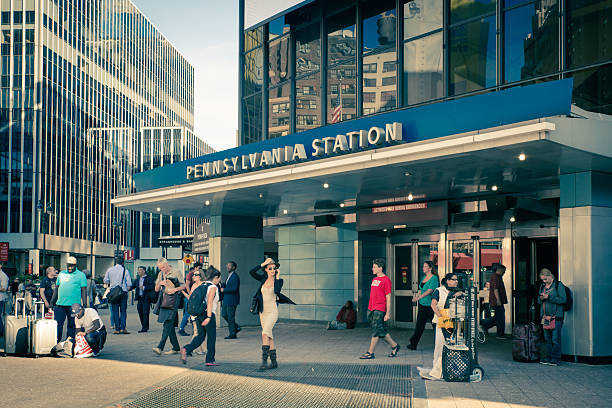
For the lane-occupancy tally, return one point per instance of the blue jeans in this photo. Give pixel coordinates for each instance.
(96, 340)
(119, 314)
(62, 313)
(185, 316)
(553, 341)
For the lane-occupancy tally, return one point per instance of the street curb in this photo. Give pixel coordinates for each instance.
(418, 396)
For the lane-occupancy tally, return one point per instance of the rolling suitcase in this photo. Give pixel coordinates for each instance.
(526, 342)
(43, 332)
(16, 331)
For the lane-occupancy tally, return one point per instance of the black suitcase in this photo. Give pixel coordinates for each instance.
(526, 342)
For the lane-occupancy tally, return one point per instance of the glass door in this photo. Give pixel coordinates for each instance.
(403, 285)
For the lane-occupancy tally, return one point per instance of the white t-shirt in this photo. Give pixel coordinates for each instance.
(216, 299)
(4, 284)
(87, 320)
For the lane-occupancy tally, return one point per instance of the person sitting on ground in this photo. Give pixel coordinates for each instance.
(88, 323)
(345, 319)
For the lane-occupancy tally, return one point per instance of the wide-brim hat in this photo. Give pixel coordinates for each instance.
(269, 261)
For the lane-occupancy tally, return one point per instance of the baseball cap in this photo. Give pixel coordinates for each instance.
(75, 309)
(71, 260)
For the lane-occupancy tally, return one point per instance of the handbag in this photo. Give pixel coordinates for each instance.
(168, 301)
(254, 305)
(116, 292)
(548, 322)
(444, 321)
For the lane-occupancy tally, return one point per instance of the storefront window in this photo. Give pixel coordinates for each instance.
(423, 69)
(472, 56)
(531, 41)
(463, 261)
(589, 32)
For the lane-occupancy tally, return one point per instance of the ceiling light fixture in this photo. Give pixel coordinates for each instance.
(158, 209)
(512, 219)
(410, 197)
(207, 202)
(342, 205)
(325, 185)
(407, 174)
(385, 230)
(285, 211)
(260, 195)
(522, 157)
(494, 188)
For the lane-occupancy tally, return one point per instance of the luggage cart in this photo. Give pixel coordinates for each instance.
(460, 353)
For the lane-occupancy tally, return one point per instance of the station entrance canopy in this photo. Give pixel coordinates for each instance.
(449, 150)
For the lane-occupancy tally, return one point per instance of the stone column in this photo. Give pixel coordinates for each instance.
(585, 233)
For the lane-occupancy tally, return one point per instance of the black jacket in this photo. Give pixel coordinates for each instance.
(278, 285)
(149, 286)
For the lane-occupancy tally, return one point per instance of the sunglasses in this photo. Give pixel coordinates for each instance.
(455, 279)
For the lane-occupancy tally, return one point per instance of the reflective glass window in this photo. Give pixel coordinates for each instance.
(384, 98)
(278, 27)
(423, 69)
(422, 16)
(531, 41)
(278, 61)
(307, 49)
(308, 102)
(279, 111)
(490, 255)
(379, 25)
(341, 91)
(593, 89)
(253, 38)
(253, 72)
(472, 56)
(465, 9)
(341, 40)
(589, 32)
(252, 119)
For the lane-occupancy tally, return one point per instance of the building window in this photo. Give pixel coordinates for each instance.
(423, 69)
(309, 89)
(369, 68)
(422, 16)
(593, 89)
(465, 9)
(472, 56)
(369, 82)
(531, 41)
(307, 49)
(589, 32)
(278, 62)
(389, 81)
(279, 110)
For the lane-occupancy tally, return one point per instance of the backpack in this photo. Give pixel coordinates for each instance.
(197, 300)
(569, 302)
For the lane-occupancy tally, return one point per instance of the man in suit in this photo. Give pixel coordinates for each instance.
(231, 299)
(144, 286)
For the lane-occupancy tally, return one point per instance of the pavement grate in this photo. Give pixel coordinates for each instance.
(296, 385)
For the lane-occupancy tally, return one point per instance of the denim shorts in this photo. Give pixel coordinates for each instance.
(377, 322)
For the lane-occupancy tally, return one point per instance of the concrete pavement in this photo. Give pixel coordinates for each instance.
(316, 368)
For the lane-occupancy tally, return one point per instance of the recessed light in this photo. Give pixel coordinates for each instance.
(285, 211)
(407, 174)
(410, 197)
(385, 230)
(522, 157)
(207, 202)
(325, 185)
(494, 188)
(342, 205)
(260, 195)
(158, 209)
(512, 219)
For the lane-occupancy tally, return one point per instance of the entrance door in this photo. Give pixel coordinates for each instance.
(408, 262)
(403, 289)
(531, 255)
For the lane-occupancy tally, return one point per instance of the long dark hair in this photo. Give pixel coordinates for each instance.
(447, 277)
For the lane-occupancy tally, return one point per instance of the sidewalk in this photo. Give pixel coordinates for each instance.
(316, 368)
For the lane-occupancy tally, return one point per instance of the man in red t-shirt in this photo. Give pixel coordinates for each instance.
(497, 300)
(379, 309)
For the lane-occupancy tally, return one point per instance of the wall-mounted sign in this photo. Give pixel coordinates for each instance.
(4, 251)
(183, 242)
(128, 254)
(403, 215)
(327, 146)
(200, 239)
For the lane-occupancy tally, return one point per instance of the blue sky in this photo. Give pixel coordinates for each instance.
(206, 33)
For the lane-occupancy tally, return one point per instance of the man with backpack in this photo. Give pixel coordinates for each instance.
(555, 299)
(115, 276)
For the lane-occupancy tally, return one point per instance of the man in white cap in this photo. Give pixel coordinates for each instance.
(71, 288)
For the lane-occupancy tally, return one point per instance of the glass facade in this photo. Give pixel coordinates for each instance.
(78, 81)
(331, 61)
(162, 146)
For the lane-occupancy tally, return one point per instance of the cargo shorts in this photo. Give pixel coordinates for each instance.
(377, 322)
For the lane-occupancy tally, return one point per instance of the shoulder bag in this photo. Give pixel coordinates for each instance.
(115, 294)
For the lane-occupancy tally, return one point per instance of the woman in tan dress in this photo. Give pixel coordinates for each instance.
(267, 295)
